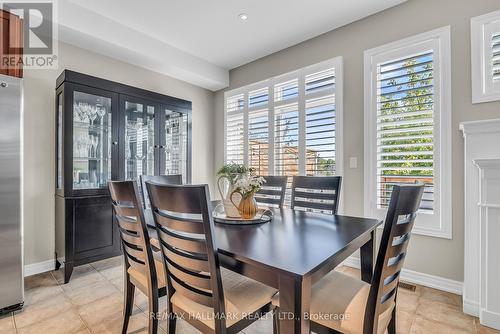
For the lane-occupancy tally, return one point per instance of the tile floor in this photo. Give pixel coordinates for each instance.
(92, 303)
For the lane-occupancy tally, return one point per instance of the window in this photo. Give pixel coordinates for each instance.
(485, 50)
(407, 126)
(288, 125)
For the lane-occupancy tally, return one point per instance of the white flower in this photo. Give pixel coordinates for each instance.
(247, 183)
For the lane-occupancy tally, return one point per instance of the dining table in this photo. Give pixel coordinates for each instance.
(292, 252)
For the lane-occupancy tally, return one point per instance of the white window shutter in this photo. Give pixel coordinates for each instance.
(485, 52)
(405, 126)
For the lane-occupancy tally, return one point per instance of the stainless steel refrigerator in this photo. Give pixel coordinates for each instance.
(11, 226)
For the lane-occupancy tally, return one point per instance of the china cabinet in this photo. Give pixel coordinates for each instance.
(109, 131)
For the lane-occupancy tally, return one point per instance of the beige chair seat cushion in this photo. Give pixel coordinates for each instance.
(243, 296)
(139, 277)
(338, 301)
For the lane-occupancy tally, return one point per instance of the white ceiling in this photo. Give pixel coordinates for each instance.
(200, 40)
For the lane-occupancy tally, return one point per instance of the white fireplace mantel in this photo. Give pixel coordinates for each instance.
(481, 294)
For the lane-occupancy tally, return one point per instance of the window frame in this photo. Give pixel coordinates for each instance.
(438, 223)
(300, 75)
(480, 48)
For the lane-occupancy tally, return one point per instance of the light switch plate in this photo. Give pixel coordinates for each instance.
(353, 162)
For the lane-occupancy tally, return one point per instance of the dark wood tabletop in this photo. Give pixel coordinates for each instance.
(293, 251)
(294, 242)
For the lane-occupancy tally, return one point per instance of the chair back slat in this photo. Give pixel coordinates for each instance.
(159, 179)
(273, 191)
(320, 193)
(196, 295)
(185, 230)
(182, 242)
(401, 214)
(182, 200)
(313, 205)
(186, 260)
(129, 216)
(128, 224)
(198, 280)
(179, 224)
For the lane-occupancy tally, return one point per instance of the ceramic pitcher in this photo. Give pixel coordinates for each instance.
(247, 206)
(225, 191)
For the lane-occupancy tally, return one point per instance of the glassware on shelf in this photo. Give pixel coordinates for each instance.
(91, 141)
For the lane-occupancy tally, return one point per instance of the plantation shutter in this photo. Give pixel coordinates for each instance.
(235, 129)
(405, 126)
(495, 57)
(320, 124)
(258, 131)
(286, 128)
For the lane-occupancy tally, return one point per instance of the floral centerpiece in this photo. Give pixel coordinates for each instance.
(242, 181)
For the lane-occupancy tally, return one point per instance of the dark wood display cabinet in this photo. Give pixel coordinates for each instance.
(109, 131)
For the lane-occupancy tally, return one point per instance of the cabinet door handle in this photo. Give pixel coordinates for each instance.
(162, 146)
(115, 143)
(156, 146)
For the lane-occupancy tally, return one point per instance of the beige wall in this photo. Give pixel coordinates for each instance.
(428, 255)
(39, 132)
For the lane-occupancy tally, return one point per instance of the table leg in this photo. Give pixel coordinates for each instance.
(368, 258)
(295, 301)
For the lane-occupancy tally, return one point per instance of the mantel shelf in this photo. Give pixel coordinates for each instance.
(482, 126)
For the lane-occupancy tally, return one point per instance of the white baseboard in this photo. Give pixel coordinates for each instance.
(470, 308)
(39, 267)
(490, 319)
(410, 276)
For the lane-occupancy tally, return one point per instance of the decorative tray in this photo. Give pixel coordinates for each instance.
(263, 216)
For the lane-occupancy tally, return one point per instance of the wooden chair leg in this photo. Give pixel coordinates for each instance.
(128, 302)
(172, 322)
(153, 312)
(276, 321)
(391, 329)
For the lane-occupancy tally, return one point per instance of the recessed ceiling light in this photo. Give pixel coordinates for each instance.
(243, 16)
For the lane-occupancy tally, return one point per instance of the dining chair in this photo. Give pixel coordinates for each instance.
(356, 307)
(142, 269)
(211, 299)
(160, 179)
(320, 193)
(272, 192)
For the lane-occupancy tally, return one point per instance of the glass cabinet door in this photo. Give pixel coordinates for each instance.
(91, 141)
(139, 140)
(174, 144)
(59, 176)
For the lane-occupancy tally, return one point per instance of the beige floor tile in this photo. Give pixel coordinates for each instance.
(38, 294)
(446, 314)
(404, 322)
(39, 280)
(113, 262)
(485, 330)
(7, 324)
(36, 312)
(118, 283)
(138, 323)
(441, 296)
(112, 273)
(407, 301)
(102, 309)
(181, 327)
(82, 276)
(424, 326)
(64, 323)
(261, 326)
(87, 294)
